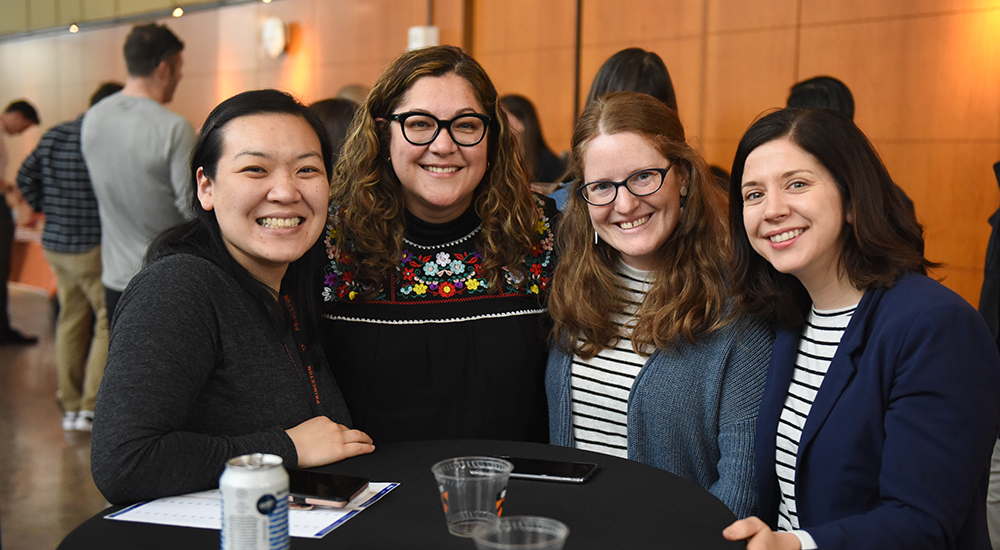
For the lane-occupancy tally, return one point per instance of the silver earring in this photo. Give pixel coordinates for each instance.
(595, 236)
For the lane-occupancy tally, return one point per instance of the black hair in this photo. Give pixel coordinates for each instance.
(104, 90)
(148, 45)
(26, 109)
(532, 139)
(202, 236)
(336, 115)
(822, 92)
(634, 70)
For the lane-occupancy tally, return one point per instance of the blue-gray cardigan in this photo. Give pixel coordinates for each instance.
(692, 409)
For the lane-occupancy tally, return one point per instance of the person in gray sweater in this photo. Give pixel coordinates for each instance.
(212, 352)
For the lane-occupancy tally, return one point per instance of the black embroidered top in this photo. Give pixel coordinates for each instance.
(437, 355)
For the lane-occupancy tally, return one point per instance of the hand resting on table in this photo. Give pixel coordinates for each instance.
(320, 441)
(759, 536)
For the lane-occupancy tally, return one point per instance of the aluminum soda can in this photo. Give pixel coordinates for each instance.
(254, 503)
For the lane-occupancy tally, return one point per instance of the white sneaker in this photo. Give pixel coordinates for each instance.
(84, 421)
(69, 421)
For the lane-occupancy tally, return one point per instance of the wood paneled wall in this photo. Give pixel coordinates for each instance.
(925, 74)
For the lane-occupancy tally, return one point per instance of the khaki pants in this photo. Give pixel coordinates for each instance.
(80, 351)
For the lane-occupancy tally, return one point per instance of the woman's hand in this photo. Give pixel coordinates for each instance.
(320, 441)
(759, 536)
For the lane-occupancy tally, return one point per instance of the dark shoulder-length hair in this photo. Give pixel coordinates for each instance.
(532, 141)
(883, 241)
(688, 296)
(370, 198)
(202, 236)
(634, 70)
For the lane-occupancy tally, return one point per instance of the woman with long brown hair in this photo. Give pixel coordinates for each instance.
(439, 260)
(648, 363)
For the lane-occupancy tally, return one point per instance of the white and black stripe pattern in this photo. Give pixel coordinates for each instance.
(600, 386)
(819, 341)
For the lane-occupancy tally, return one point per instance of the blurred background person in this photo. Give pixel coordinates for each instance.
(634, 70)
(989, 308)
(16, 118)
(54, 180)
(440, 261)
(542, 165)
(245, 372)
(355, 93)
(137, 153)
(336, 114)
(826, 92)
(646, 362)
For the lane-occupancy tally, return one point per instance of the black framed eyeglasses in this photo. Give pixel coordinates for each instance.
(421, 128)
(641, 183)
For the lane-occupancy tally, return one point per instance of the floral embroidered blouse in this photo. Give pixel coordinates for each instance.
(436, 354)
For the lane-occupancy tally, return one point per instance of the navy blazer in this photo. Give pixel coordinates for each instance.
(896, 450)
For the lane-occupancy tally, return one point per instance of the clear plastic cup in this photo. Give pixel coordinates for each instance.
(521, 533)
(472, 490)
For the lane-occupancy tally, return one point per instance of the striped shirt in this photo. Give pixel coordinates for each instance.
(54, 180)
(600, 386)
(820, 338)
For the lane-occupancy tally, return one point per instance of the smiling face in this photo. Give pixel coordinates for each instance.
(636, 227)
(793, 214)
(269, 192)
(439, 178)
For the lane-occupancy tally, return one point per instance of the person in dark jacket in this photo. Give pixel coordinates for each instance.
(214, 351)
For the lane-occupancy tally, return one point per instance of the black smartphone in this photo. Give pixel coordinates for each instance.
(323, 489)
(551, 470)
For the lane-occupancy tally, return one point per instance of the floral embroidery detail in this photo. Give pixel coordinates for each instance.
(437, 274)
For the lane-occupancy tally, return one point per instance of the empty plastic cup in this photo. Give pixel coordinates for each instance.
(521, 533)
(472, 490)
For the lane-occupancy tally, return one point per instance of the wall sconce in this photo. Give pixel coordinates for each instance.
(275, 37)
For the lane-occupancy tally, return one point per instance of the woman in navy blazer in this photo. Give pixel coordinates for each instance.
(883, 438)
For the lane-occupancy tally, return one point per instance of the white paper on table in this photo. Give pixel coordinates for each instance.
(204, 511)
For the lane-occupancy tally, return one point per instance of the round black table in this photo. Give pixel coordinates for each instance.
(625, 504)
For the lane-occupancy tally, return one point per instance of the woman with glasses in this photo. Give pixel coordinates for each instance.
(648, 362)
(881, 405)
(439, 261)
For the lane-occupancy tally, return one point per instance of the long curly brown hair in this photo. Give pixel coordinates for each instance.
(688, 297)
(369, 195)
